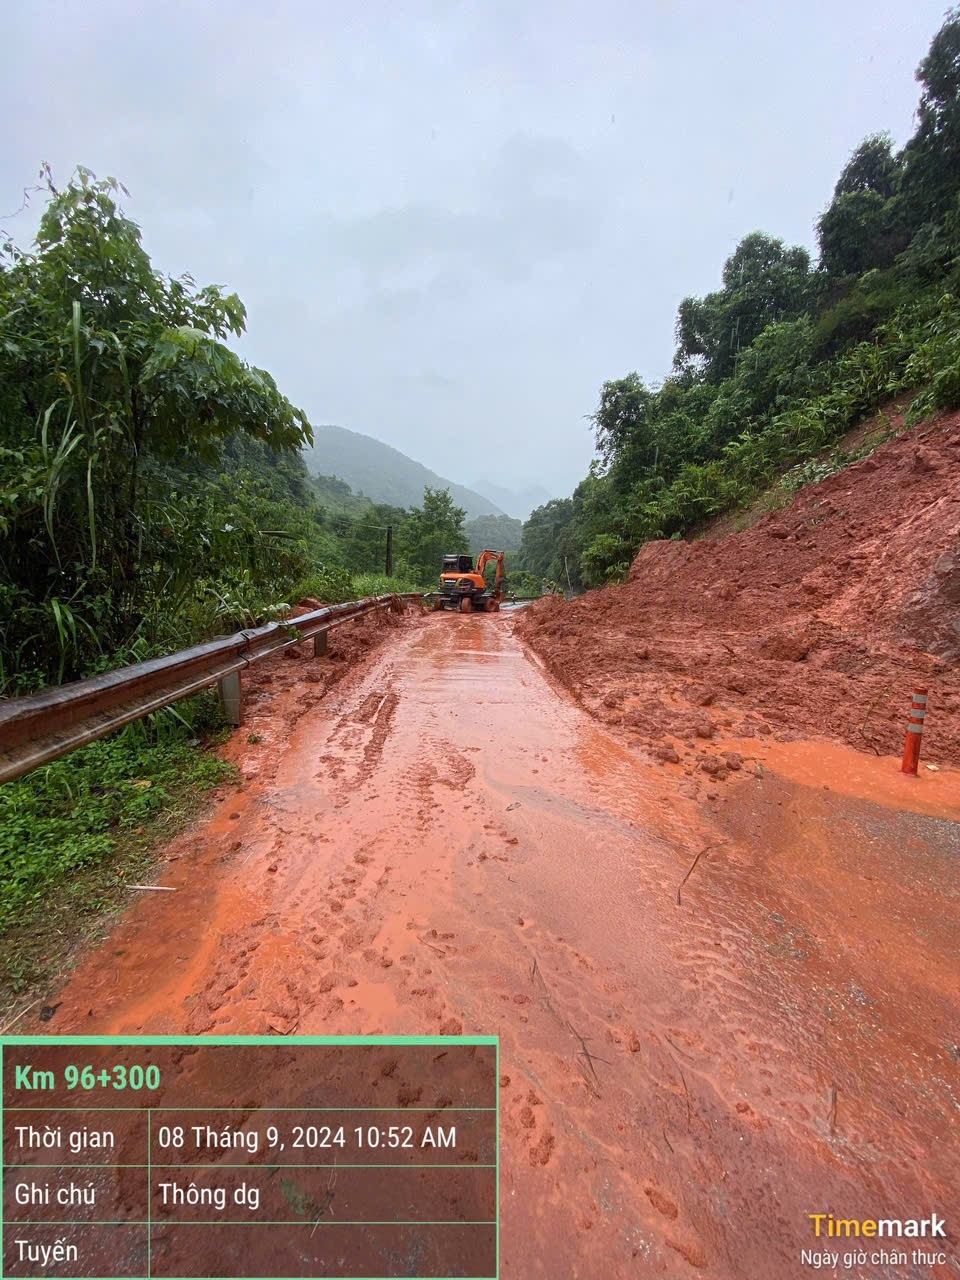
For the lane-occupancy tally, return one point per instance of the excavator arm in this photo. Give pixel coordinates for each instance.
(485, 558)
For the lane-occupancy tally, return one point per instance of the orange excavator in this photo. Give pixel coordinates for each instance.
(465, 588)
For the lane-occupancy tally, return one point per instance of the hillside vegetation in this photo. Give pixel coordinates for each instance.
(786, 355)
(384, 474)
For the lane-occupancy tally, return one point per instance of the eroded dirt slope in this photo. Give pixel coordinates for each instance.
(815, 622)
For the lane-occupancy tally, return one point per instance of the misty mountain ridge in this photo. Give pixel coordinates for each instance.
(515, 502)
(383, 473)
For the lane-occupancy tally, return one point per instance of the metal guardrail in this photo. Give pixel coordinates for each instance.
(43, 726)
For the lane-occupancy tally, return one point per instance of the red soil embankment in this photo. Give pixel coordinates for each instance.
(816, 622)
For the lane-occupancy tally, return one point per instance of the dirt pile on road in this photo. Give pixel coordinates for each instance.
(817, 621)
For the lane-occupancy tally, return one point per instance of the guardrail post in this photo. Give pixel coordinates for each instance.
(319, 644)
(232, 699)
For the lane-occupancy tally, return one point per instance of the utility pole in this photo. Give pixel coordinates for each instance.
(389, 550)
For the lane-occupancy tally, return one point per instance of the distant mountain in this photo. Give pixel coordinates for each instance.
(382, 473)
(515, 502)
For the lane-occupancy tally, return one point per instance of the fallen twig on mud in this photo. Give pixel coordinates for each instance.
(584, 1058)
(667, 1141)
(686, 1092)
(327, 1196)
(154, 888)
(585, 1053)
(16, 1018)
(682, 1052)
(439, 950)
(832, 1116)
(706, 849)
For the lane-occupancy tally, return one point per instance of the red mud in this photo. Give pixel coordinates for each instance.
(816, 622)
(446, 842)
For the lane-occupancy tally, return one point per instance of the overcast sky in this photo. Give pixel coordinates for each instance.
(452, 221)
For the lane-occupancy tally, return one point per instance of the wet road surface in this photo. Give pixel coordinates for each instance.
(447, 843)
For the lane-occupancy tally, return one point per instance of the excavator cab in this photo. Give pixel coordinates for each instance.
(465, 588)
(457, 564)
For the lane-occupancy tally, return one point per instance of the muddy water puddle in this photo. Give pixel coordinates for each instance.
(447, 843)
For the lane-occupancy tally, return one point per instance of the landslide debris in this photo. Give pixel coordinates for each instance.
(816, 622)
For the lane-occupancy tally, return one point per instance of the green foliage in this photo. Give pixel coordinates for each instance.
(521, 582)
(429, 533)
(74, 813)
(378, 584)
(551, 546)
(499, 533)
(329, 584)
(126, 442)
(855, 234)
(934, 362)
(931, 158)
(764, 281)
(863, 228)
(872, 167)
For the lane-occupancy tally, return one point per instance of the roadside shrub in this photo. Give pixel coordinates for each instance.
(74, 812)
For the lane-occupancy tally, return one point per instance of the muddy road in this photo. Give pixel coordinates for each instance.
(446, 842)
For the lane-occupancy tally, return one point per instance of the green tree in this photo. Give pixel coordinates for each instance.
(551, 545)
(429, 533)
(862, 228)
(110, 374)
(872, 167)
(931, 158)
(622, 422)
(854, 234)
(764, 281)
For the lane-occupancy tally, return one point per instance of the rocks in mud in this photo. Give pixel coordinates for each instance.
(925, 460)
(786, 646)
(714, 767)
(930, 614)
(666, 754)
(701, 695)
(452, 1027)
(734, 760)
